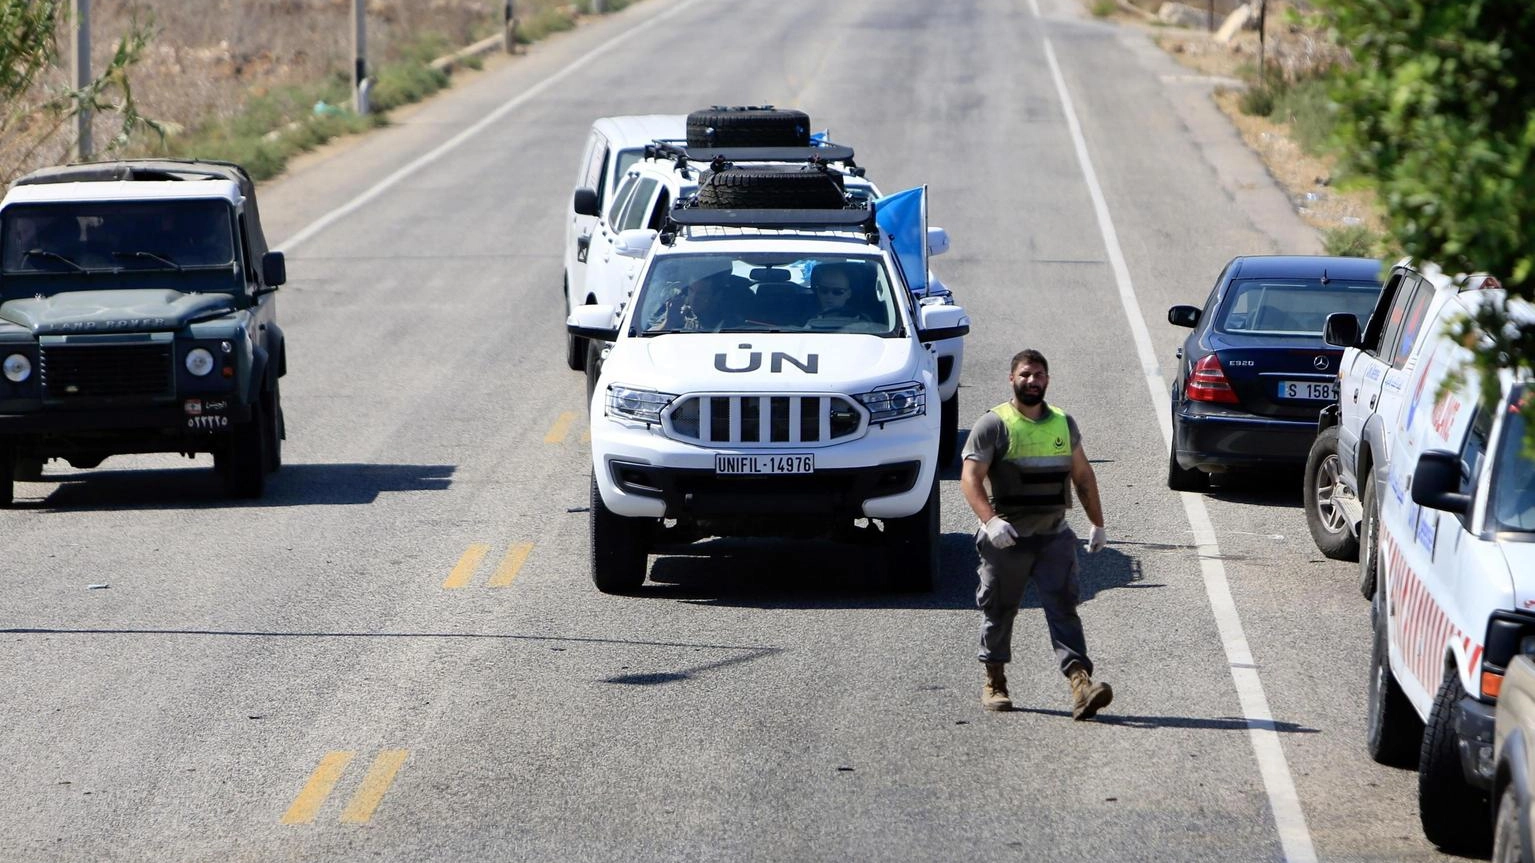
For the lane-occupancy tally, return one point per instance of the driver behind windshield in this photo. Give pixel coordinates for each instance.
(707, 304)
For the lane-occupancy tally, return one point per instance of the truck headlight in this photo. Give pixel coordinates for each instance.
(199, 361)
(895, 403)
(17, 368)
(640, 405)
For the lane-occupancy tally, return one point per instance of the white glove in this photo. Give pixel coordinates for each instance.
(1001, 534)
(1097, 539)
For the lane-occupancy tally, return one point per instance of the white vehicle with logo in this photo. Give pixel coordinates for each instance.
(777, 417)
(1456, 601)
(669, 172)
(1346, 468)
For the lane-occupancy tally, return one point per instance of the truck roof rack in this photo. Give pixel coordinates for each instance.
(823, 154)
(683, 216)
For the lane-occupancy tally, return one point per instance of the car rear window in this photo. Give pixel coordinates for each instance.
(1291, 307)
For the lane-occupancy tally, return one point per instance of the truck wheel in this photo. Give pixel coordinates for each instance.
(244, 459)
(948, 432)
(722, 126)
(620, 548)
(912, 547)
(1323, 491)
(1393, 733)
(1369, 538)
(7, 474)
(1454, 813)
(274, 431)
(575, 346)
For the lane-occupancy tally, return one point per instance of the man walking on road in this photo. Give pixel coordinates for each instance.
(1031, 454)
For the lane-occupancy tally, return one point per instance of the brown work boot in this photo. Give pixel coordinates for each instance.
(994, 693)
(1087, 697)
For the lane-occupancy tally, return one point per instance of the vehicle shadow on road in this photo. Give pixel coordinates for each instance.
(1278, 488)
(202, 488)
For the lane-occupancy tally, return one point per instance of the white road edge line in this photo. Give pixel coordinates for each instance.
(309, 231)
(1289, 818)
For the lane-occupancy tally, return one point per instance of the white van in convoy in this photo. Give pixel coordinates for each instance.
(1456, 601)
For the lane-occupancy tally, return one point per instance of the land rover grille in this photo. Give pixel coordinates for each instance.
(71, 372)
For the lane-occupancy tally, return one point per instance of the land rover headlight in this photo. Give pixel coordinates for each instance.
(895, 403)
(17, 368)
(640, 405)
(199, 361)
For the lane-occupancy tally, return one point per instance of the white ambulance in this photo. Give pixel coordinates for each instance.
(1457, 563)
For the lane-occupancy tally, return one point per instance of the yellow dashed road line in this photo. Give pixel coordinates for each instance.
(467, 564)
(511, 564)
(319, 786)
(561, 427)
(371, 793)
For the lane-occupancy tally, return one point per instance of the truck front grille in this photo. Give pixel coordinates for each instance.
(107, 371)
(765, 420)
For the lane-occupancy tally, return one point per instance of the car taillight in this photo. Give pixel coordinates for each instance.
(1208, 382)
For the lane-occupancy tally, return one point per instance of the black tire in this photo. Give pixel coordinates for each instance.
(748, 126)
(1393, 734)
(768, 189)
(275, 429)
(948, 430)
(244, 460)
(7, 474)
(1369, 538)
(1507, 838)
(1322, 490)
(28, 469)
(912, 547)
(1179, 479)
(575, 346)
(1454, 813)
(593, 368)
(620, 548)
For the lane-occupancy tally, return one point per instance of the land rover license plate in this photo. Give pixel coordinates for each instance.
(777, 463)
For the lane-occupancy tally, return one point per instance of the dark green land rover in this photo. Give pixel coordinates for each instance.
(138, 315)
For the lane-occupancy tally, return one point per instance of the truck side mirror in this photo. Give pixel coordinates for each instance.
(1436, 481)
(585, 202)
(1183, 316)
(1341, 330)
(274, 270)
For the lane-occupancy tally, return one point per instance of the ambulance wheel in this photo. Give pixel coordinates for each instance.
(1392, 732)
(1323, 490)
(1369, 539)
(1455, 815)
(620, 547)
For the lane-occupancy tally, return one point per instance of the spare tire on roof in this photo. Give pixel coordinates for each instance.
(748, 126)
(771, 189)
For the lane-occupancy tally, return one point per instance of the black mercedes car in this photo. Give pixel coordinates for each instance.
(1254, 373)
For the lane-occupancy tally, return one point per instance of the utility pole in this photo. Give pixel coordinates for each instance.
(82, 78)
(360, 56)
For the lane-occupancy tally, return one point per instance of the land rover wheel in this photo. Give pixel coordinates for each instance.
(620, 547)
(948, 432)
(1392, 731)
(747, 188)
(7, 474)
(1369, 539)
(722, 126)
(1454, 813)
(1508, 838)
(1324, 493)
(244, 459)
(912, 547)
(274, 429)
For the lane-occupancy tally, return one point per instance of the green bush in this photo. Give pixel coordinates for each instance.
(1257, 100)
(1353, 240)
(1308, 109)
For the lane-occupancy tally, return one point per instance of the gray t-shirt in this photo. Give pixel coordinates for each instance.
(988, 443)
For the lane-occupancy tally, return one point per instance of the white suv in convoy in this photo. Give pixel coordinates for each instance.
(773, 375)
(1456, 601)
(668, 173)
(1347, 465)
(615, 144)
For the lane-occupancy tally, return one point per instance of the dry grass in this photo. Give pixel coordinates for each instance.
(207, 60)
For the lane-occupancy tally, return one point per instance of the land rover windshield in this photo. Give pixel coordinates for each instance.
(93, 237)
(767, 292)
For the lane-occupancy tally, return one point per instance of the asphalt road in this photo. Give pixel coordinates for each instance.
(397, 653)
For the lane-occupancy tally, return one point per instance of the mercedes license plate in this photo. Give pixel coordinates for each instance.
(1308, 390)
(765, 464)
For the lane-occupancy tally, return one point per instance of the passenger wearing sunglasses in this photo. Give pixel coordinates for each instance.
(833, 290)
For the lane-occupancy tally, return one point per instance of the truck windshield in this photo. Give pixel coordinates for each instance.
(95, 236)
(1513, 493)
(768, 292)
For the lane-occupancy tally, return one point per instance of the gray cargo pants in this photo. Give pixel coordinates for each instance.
(1051, 562)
